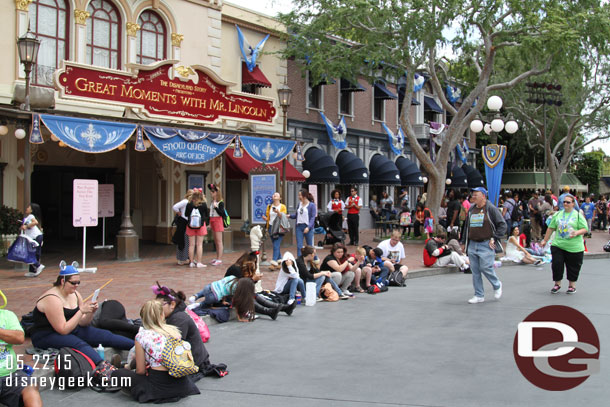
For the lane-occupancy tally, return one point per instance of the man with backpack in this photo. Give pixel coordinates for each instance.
(511, 211)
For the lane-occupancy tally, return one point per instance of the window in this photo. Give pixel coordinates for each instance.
(250, 88)
(346, 98)
(379, 109)
(49, 21)
(151, 38)
(314, 94)
(103, 35)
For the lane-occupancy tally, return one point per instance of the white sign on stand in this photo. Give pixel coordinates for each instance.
(105, 209)
(84, 211)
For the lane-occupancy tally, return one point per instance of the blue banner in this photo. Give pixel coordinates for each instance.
(338, 133)
(86, 135)
(453, 94)
(35, 135)
(268, 151)
(397, 141)
(188, 146)
(493, 157)
(249, 53)
(263, 188)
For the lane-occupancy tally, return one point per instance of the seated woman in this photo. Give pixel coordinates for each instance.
(363, 270)
(308, 271)
(516, 252)
(342, 268)
(419, 220)
(151, 381)
(288, 280)
(174, 310)
(62, 319)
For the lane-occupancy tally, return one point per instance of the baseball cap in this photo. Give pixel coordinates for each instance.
(480, 189)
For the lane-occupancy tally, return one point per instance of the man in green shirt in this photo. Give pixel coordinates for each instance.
(14, 391)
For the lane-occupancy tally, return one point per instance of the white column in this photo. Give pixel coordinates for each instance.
(132, 32)
(80, 17)
(176, 45)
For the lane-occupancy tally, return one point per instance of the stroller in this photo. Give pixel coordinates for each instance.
(333, 233)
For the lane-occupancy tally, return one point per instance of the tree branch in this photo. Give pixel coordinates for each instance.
(521, 77)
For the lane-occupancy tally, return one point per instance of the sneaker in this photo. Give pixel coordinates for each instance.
(475, 300)
(290, 301)
(39, 269)
(216, 262)
(348, 293)
(273, 263)
(319, 247)
(192, 299)
(319, 299)
(555, 289)
(571, 290)
(498, 292)
(467, 270)
(538, 262)
(200, 265)
(343, 297)
(30, 274)
(192, 264)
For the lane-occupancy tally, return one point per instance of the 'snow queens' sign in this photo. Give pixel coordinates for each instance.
(165, 91)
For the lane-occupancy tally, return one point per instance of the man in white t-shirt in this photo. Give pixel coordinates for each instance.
(394, 253)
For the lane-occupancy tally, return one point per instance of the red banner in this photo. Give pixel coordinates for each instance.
(196, 94)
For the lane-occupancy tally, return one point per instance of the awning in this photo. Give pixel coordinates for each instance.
(321, 167)
(238, 168)
(474, 177)
(256, 77)
(430, 104)
(381, 92)
(535, 180)
(410, 175)
(351, 169)
(457, 176)
(401, 94)
(383, 171)
(349, 86)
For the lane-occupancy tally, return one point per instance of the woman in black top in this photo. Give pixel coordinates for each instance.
(308, 271)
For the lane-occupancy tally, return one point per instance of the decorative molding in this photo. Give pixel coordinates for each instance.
(177, 39)
(22, 5)
(160, 161)
(81, 16)
(132, 29)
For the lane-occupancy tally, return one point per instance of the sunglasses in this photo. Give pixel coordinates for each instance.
(568, 202)
(74, 282)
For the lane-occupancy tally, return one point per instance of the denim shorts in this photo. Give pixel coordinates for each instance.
(11, 387)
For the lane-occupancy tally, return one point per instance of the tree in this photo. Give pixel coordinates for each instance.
(391, 38)
(588, 169)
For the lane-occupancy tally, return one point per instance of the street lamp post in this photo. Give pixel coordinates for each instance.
(28, 46)
(284, 94)
(544, 94)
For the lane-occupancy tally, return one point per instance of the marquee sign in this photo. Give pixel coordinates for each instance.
(194, 93)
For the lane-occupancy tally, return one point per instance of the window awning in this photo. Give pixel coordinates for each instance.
(351, 169)
(457, 176)
(381, 92)
(238, 168)
(474, 177)
(256, 77)
(401, 94)
(430, 104)
(350, 86)
(383, 171)
(410, 175)
(321, 167)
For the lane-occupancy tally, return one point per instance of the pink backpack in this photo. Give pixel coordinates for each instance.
(201, 325)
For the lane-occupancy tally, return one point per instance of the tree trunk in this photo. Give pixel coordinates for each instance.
(552, 166)
(436, 190)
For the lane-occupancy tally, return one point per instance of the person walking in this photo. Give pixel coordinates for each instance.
(588, 209)
(180, 237)
(353, 205)
(305, 216)
(568, 247)
(31, 226)
(273, 211)
(483, 228)
(217, 221)
(602, 213)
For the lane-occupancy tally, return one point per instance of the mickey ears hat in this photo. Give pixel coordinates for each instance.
(70, 270)
(479, 189)
(212, 187)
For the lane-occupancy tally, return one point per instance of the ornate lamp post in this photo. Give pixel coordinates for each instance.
(284, 94)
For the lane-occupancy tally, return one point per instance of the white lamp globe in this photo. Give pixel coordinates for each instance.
(511, 127)
(3, 130)
(448, 181)
(476, 125)
(494, 103)
(487, 129)
(20, 134)
(497, 125)
(425, 180)
(306, 174)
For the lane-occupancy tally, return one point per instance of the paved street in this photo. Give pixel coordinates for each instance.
(422, 345)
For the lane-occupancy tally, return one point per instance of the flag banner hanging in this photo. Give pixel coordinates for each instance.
(453, 94)
(250, 54)
(299, 152)
(267, 151)
(493, 157)
(237, 153)
(87, 135)
(397, 141)
(139, 140)
(418, 83)
(35, 135)
(460, 154)
(338, 133)
(189, 147)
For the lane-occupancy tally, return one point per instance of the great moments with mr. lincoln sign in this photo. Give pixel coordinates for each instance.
(153, 90)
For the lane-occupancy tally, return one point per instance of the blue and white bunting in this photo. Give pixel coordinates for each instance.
(35, 135)
(396, 141)
(86, 135)
(418, 82)
(250, 54)
(338, 133)
(300, 156)
(453, 94)
(267, 151)
(139, 140)
(237, 153)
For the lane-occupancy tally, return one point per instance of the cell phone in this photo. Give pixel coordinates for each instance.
(95, 294)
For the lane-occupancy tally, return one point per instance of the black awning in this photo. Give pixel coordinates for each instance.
(457, 176)
(381, 92)
(350, 86)
(401, 95)
(351, 169)
(474, 177)
(321, 166)
(410, 175)
(430, 104)
(383, 171)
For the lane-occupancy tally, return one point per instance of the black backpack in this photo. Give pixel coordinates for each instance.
(517, 214)
(72, 363)
(607, 247)
(396, 279)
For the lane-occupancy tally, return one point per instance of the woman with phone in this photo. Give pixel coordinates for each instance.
(275, 209)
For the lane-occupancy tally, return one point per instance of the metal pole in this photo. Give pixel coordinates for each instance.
(27, 161)
(284, 132)
(126, 225)
(544, 140)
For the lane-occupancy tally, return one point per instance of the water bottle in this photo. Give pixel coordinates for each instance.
(28, 370)
(100, 350)
(570, 231)
(298, 298)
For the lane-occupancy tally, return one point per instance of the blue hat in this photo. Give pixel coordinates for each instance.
(68, 270)
(480, 189)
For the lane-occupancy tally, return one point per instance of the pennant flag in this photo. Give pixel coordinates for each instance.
(453, 94)
(139, 140)
(268, 151)
(493, 157)
(250, 54)
(397, 141)
(338, 133)
(418, 82)
(299, 152)
(237, 153)
(35, 135)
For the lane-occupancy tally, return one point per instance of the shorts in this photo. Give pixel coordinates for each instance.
(216, 224)
(11, 387)
(202, 231)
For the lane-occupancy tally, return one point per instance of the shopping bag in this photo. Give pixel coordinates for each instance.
(23, 250)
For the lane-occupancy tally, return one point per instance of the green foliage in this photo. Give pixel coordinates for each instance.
(588, 169)
(10, 219)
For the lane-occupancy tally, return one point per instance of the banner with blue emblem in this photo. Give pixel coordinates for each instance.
(493, 157)
(267, 151)
(86, 135)
(338, 133)
(35, 135)
(397, 141)
(189, 147)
